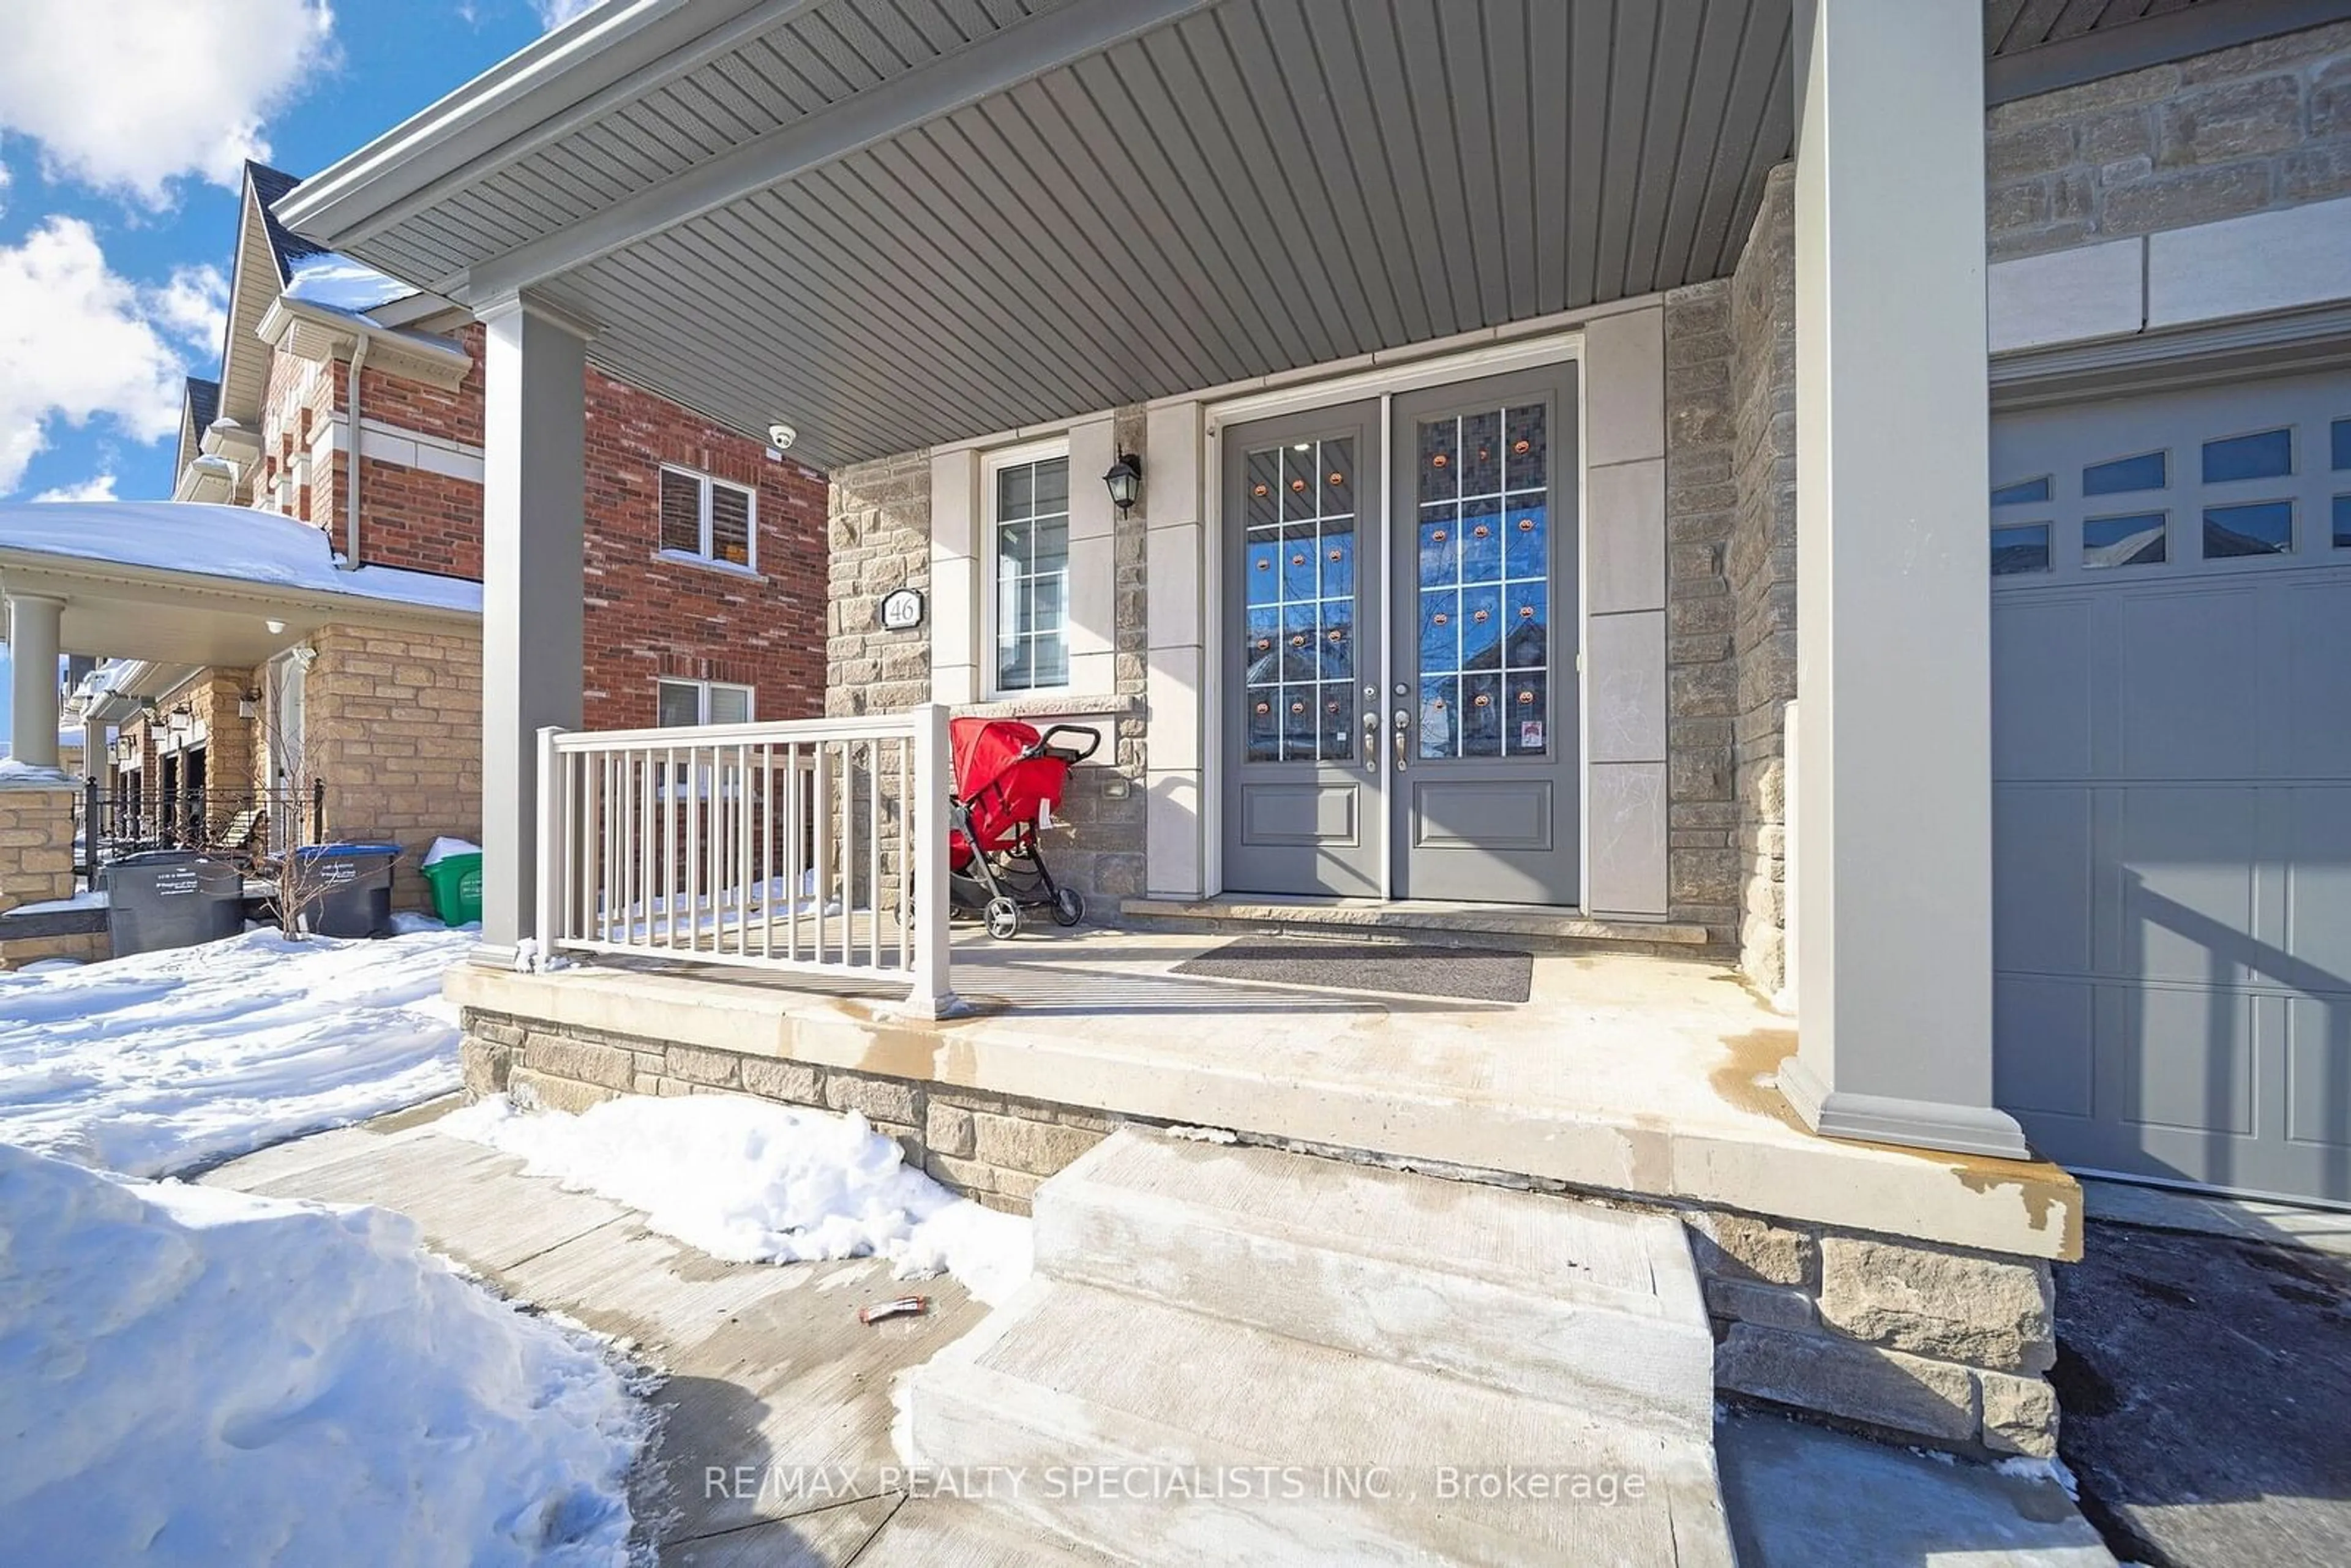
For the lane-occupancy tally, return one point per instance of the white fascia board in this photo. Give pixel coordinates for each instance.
(611, 53)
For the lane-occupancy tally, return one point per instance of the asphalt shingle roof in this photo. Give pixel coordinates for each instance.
(272, 186)
(204, 403)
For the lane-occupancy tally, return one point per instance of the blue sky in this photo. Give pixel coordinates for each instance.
(119, 198)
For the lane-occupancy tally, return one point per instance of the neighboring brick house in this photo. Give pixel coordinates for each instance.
(705, 560)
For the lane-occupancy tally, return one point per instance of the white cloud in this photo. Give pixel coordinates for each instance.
(99, 489)
(193, 307)
(132, 94)
(553, 13)
(80, 343)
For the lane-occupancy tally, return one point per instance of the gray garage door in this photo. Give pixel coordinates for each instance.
(2172, 756)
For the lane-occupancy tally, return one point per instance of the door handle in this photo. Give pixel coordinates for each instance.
(1403, 723)
(1371, 742)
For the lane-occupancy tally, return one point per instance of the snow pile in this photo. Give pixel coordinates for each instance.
(199, 1377)
(166, 1061)
(340, 283)
(750, 1181)
(233, 542)
(443, 848)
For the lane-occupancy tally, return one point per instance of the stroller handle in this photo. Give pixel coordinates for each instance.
(1045, 746)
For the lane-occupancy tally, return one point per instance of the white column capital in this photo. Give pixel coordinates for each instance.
(530, 302)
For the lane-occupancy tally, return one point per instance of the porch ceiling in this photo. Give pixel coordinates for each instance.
(890, 222)
(1251, 186)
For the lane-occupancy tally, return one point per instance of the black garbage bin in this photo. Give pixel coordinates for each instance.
(350, 887)
(171, 898)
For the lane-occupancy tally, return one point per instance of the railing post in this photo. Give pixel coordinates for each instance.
(90, 830)
(925, 831)
(554, 840)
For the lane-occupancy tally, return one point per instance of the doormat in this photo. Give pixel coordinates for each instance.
(1464, 974)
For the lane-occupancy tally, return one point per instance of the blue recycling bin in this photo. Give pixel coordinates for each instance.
(351, 888)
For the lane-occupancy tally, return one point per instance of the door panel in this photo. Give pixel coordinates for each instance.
(2171, 778)
(1482, 476)
(1301, 663)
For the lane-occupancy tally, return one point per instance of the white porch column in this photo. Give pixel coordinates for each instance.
(533, 492)
(1894, 638)
(33, 631)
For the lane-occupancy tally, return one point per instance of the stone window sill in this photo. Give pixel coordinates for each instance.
(680, 558)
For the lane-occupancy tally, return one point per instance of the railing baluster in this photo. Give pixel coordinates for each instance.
(874, 853)
(644, 831)
(905, 846)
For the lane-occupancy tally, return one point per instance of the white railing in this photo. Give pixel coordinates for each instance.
(815, 845)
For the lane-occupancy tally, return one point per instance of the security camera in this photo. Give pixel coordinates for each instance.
(781, 436)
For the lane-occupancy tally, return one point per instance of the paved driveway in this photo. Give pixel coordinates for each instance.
(2207, 1390)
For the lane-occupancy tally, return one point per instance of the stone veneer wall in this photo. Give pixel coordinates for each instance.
(36, 864)
(879, 538)
(1702, 680)
(1920, 1342)
(2264, 125)
(1760, 566)
(394, 724)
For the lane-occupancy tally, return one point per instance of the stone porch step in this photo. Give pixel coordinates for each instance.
(1404, 920)
(1534, 1295)
(1221, 1426)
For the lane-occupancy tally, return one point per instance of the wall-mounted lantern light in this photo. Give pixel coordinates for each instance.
(1125, 482)
(183, 719)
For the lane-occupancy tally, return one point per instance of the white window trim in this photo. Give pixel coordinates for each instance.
(702, 690)
(703, 554)
(992, 463)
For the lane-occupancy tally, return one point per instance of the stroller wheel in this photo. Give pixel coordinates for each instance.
(1003, 919)
(1069, 908)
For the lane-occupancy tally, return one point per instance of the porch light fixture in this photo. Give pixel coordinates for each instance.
(183, 719)
(1125, 482)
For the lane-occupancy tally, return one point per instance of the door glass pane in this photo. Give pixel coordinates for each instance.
(1483, 594)
(1299, 594)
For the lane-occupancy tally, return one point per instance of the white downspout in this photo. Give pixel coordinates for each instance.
(350, 561)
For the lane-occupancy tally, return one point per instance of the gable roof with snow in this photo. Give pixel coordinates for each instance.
(225, 544)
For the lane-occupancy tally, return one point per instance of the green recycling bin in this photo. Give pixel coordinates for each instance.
(457, 883)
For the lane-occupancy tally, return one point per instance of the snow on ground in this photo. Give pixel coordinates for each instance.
(751, 1181)
(192, 1375)
(168, 1060)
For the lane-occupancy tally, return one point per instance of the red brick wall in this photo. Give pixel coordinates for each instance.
(415, 519)
(419, 405)
(649, 616)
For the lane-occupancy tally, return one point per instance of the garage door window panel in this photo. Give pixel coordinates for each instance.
(2262, 528)
(2127, 475)
(2264, 455)
(2136, 539)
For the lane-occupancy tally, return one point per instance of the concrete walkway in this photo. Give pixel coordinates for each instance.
(776, 1444)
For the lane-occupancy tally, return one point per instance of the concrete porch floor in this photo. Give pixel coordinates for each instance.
(1627, 1073)
(770, 1370)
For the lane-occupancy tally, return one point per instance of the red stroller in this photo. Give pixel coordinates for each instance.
(1009, 777)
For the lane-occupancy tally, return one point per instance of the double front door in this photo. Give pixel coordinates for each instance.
(1400, 666)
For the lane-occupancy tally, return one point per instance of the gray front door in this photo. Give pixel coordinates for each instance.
(1482, 710)
(2171, 784)
(1401, 712)
(1305, 806)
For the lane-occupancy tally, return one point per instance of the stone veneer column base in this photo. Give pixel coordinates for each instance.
(1920, 1342)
